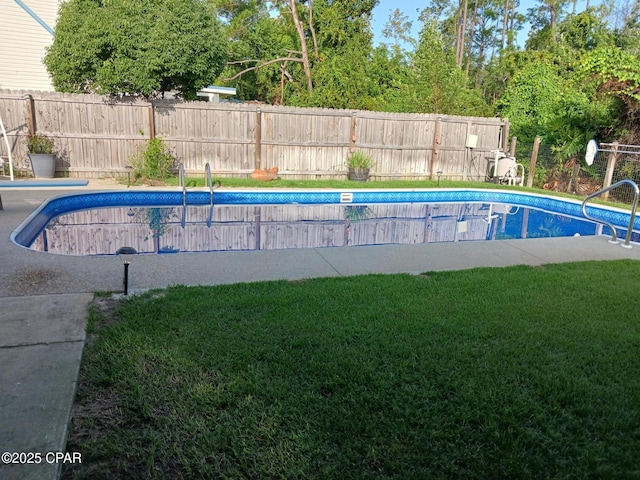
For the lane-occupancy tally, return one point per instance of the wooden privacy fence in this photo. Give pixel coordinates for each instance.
(96, 137)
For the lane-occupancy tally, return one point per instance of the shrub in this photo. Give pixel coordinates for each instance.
(155, 161)
(40, 144)
(359, 160)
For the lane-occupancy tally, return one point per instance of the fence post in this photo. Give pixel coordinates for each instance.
(31, 115)
(512, 147)
(505, 134)
(534, 159)
(152, 122)
(611, 164)
(258, 145)
(435, 149)
(352, 141)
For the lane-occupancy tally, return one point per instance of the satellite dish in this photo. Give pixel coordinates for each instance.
(592, 150)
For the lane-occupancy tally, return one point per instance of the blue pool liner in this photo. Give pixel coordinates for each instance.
(29, 230)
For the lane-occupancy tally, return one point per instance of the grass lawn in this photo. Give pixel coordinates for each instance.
(232, 182)
(510, 373)
(342, 184)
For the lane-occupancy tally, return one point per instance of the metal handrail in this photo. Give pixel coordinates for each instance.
(183, 184)
(614, 235)
(208, 182)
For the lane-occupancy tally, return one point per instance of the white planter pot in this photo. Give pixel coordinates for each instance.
(43, 165)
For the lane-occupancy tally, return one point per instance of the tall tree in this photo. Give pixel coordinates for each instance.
(544, 18)
(461, 30)
(629, 33)
(322, 50)
(436, 83)
(398, 29)
(146, 47)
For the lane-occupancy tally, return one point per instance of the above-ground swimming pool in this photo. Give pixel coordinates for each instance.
(99, 223)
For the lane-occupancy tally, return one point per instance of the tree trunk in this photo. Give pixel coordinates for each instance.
(504, 23)
(313, 31)
(461, 30)
(303, 44)
(472, 28)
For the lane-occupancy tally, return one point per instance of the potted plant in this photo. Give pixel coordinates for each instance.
(359, 164)
(42, 155)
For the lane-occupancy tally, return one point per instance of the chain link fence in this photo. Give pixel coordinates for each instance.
(613, 162)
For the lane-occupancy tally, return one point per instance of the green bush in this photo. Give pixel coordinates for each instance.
(155, 161)
(359, 159)
(40, 144)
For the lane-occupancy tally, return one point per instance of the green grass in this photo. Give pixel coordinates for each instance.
(343, 184)
(519, 372)
(351, 185)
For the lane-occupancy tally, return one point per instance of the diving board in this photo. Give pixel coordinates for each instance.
(44, 183)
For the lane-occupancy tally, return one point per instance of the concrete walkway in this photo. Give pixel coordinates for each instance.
(44, 297)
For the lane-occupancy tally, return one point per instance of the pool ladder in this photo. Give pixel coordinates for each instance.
(208, 183)
(212, 185)
(614, 235)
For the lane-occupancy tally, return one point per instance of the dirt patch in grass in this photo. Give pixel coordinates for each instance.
(106, 308)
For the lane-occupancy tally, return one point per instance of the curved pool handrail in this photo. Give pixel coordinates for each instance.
(183, 184)
(209, 183)
(614, 235)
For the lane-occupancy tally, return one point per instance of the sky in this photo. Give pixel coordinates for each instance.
(411, 8)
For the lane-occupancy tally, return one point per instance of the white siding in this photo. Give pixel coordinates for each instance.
(22, 44)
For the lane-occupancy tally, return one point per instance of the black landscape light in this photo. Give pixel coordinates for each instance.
(125, 253)
(439, 173)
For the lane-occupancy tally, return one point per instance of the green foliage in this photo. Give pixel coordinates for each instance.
(256, 36)
(579, 118)
(617, 72)
(585, 31)
(40, 144)
(629, 35)
(145, 47)
(531, 99)
(154, 161)
(359, 160)
(434, 84)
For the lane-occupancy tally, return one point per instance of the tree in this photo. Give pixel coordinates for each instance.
(436, 84)
(146, 47)
(547, 13)
(531, 98)
(398, 28)
(629, 34)
(319, 50)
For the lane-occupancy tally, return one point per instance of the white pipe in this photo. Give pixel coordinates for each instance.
(6, 141)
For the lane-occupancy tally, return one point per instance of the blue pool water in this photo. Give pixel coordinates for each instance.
(157, 222)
